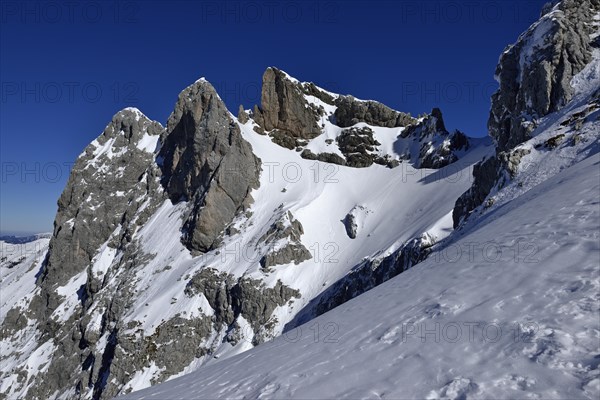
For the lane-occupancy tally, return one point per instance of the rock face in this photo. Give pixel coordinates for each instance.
(113, 189)
(293, 113)
(284, 108)
(535, 75)
(350, 225)
(353, 221)
(206, 161)
(487, 174)
(437, 147)
(231, 298)
(359, 147)
(283, 240)
(330, 158)
(351, 111)
(87, 284)
(242, 115)
(535, 80)
(109, 183)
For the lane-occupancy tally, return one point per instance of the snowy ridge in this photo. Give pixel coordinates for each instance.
(513, 293)
(402, 203)
(522, 318)
(19, 266)
(141, 284)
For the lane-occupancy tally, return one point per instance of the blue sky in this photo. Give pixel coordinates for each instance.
(66, 68)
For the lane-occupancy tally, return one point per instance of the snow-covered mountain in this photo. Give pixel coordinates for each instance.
(508, 305)
(174, 246)
(178, 247)
(465, 323)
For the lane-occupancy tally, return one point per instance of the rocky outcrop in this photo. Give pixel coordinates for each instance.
(330, 158)
(207, 162)
(284, 108)
(535, 73)
(358, 146)
(490, 175)
(535, 80)
(353, 221)
(486, 176)
(366, 276)
(351, 225)
(109, 183)
(351, 111)
(231, 298)
(282, 240)
(243, 116)
(437, 147)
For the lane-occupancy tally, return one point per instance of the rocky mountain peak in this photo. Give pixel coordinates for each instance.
(351, 111)
(206, 161)
(535, 73)
(536, 77)
(283, 107)
(295, 113)
(439, 119)
(114, 166)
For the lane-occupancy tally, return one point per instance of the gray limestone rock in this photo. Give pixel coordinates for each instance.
(350, 225)
(283, 107)
(535, 73)
(331, 158)
(369, 274)
(288, 230)
(107, 186)
(243, 116)
(231, 298)
(207, 162)
(486, 176)
(437, 147)
(534, 76)
(358, 146)
(351, 111)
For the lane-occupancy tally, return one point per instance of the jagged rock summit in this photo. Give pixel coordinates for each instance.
(536, 77)
(180, 245)
(340, 129)
(174, 244)
(206, 161)
(535, 73)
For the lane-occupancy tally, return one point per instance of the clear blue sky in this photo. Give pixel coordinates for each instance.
(66, 68)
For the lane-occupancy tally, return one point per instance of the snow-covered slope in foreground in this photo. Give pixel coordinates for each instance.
(508, 309)
(19, 265)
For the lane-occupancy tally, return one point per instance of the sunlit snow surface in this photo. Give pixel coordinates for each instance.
(507, 310)
(507, 307)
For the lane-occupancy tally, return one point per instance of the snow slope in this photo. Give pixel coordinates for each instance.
(507, 309)
(398, 205)
(19, 264)
(404, 202)
(508, 306)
